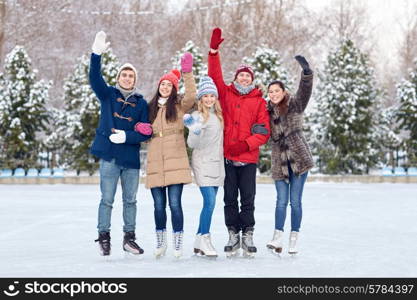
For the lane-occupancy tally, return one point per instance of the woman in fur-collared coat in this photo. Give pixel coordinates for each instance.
(291, 156)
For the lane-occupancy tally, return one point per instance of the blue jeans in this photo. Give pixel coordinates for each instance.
(160, 203)
(109, 177)
(292, 191)
(209, 202)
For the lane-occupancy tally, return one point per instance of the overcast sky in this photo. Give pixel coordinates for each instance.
(386, 16)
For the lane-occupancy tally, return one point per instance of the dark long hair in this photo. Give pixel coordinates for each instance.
(283, 105)
(171, 113)
(280, 83)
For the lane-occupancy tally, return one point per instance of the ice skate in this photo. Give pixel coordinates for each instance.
(248, 247)
(206, 248)
(161, 243)
(177, 239)
(292, 248)
(197, 244)
(233, 245)
(275, 245)
(130, 246)
(104, 243)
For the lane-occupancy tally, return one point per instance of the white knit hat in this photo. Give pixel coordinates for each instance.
(127, 66)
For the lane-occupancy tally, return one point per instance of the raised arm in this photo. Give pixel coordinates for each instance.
(189, 82)
(214, 65)
(306, 84)
(97, 82)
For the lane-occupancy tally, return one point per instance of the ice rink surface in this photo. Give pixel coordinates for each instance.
(348, 230)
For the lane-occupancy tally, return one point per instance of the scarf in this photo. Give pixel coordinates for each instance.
(244, 90)
(162, 101)
(126, 93)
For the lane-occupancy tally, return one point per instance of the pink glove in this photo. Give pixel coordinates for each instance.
(187, 62)
(143, 128)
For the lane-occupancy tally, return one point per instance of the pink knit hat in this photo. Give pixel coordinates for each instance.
(244, 68)
(173, 76)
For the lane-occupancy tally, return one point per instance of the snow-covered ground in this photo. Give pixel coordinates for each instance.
(348, 230)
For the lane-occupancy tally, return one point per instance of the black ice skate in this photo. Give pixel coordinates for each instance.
(248, 247)
(104, 243)
(129, 244)
(233, 245)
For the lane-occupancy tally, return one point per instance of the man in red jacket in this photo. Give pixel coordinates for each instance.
(246, 128)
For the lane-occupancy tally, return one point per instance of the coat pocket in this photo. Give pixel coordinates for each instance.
(211, 167)
(153, 167)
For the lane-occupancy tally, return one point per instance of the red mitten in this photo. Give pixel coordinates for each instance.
(239, 148)
(216, 38)
(143, 128)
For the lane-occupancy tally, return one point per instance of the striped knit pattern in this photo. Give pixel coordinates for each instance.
(206, 86)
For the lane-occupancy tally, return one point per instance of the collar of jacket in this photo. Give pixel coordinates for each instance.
(129, 97)
(254, 93)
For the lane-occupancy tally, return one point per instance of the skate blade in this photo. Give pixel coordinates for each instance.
(293, 254)
(208, 257)
(106, 258)
(274, 253)
(275, 249)
(232, 254)
(249, 255)
(205, 257)
(159, 255)
(130, 255)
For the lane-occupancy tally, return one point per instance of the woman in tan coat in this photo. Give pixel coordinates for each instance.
(168, 168)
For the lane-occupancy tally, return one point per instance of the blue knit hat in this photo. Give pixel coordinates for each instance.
(206, 86)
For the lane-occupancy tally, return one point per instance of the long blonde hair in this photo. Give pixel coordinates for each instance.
(205, 111)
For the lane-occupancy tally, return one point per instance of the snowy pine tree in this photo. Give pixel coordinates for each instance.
(83, 109)
(22, 110)
(407, 113)
(59, 137)
(267, 66)
(343, 118)
(386, 137)
(199, 68)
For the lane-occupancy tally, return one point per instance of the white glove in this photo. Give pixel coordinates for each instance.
(100, 46)
(119, 137)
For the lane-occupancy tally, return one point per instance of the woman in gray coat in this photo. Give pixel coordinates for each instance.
(206, 139)
(291, 156)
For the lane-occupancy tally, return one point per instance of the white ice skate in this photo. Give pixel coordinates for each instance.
(197, 243)
(161, 243)
(292, 249)
(275, 246)
(206, 248)
(177, 239)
